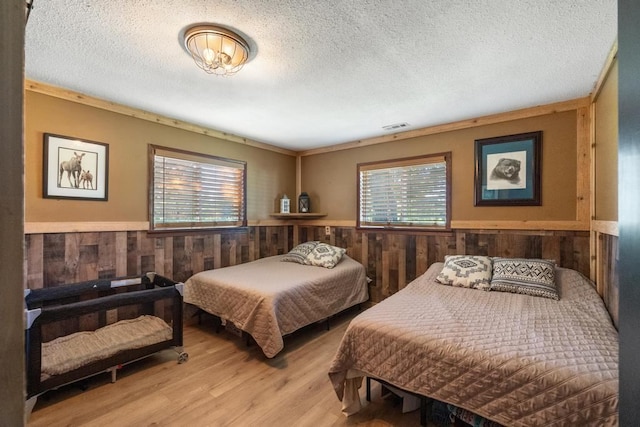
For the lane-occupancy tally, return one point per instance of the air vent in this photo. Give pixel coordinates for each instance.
(395, 126)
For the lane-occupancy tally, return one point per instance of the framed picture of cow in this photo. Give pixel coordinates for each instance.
(75, 168)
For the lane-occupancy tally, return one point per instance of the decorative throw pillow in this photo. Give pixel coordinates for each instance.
(467, 271)
(535, 277)
(300, 252)
(324, 255)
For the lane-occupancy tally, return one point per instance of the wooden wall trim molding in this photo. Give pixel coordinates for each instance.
(608, 64)
(525, 113)
(475, 225)
(83, 227)
(87, 227)
(70, 95)
(522, 225)
(269, 222)
(592, 190)
(597, 227)
(97, 226)
(298, 178)
(605, 227)
(323, 222)
(583, 167)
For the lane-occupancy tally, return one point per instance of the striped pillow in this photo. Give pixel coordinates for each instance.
(535, 277)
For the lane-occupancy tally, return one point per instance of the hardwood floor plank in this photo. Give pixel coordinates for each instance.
(224, 383)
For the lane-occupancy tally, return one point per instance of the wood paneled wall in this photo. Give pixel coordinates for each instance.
(607, 258)
(61, 258)
(392, 259)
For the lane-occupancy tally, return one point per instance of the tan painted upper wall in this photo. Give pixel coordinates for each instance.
(606, 155)
(330, 178)
(269, 173)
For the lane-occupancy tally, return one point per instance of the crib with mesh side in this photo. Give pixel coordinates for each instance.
(84, 329)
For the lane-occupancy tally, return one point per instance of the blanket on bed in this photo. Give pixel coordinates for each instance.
(515, 359)
(268, 298)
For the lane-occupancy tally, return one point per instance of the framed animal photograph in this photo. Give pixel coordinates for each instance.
(75, 168)
(508, 170)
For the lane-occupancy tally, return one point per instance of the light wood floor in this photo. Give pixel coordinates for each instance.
(224, 383)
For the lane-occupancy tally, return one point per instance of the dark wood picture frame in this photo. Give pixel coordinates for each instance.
(75, 168)
(508, 170)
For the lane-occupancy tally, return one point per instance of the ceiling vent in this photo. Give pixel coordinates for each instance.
(395, 126)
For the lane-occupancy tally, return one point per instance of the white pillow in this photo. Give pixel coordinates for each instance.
(466, 271)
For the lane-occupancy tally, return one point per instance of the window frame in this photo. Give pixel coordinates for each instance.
(180, 154)
(386, 164)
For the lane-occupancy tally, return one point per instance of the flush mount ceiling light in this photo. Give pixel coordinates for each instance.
(216, 50)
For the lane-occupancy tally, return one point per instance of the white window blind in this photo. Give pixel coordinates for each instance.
(405, 193)
(191, 191)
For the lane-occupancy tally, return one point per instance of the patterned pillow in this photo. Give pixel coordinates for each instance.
(467, 271)
(324, 255)
(535, 277)
(300, 252)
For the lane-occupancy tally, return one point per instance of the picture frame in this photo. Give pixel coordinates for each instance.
(75, 168)
(507, 170)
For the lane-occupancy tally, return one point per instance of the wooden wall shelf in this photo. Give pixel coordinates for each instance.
(310, 215)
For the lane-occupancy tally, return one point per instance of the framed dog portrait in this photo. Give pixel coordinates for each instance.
(75, 168)
(508, 170)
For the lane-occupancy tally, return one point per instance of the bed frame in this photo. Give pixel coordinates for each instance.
(87, 306)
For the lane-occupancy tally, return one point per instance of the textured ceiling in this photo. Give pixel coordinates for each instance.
(326, 72)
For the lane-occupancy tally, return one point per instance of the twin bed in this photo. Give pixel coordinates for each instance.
(269, 298)
(519, 360)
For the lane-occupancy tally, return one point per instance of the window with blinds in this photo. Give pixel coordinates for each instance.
(405, 193)
(195, 191)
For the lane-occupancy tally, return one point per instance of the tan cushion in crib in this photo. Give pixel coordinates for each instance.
(70, 352)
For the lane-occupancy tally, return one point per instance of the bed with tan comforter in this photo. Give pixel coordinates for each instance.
(268, 298)
(515, 359)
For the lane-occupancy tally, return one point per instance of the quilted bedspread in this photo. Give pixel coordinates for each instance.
(515, 359)
(268, 298)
